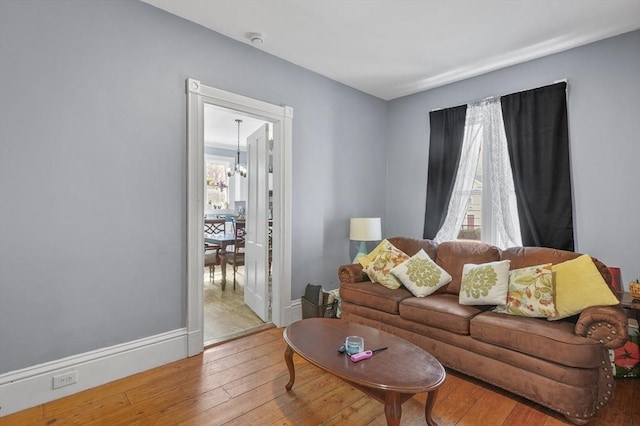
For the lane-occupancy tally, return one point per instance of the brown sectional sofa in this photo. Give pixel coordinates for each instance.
(563, 365)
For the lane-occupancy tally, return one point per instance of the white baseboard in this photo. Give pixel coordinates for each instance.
(293, 312)
(31, 386)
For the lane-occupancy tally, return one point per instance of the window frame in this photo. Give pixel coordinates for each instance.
(228, 163)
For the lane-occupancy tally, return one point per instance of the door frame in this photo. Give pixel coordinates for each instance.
(281, 117)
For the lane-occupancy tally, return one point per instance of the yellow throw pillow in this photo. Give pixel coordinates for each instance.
(383, 246)
(579, 285)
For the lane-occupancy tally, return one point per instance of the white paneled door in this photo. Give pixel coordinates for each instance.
(256, 290)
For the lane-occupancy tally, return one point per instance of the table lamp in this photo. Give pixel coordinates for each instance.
(364, 229)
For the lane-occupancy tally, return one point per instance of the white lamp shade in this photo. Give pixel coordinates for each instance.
(365, 229)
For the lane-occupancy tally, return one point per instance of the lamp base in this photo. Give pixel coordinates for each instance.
(362, 251)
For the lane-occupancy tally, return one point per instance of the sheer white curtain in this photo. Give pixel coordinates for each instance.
(484, 127)
(504, 210)
(459, 202)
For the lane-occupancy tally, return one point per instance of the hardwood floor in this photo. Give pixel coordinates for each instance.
(225, 314)
(242, 382)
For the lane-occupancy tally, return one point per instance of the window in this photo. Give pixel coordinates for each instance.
(483, 202)
(217, 191)
(528, 155)
(471, 228)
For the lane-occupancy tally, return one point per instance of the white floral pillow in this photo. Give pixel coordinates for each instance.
(485, 284)
(421, 275)
(379, 270)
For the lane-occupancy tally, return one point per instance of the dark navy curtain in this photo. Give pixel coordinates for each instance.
(538, 141)
(445, 146)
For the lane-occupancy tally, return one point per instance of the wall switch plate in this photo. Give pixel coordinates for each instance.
(65, 379)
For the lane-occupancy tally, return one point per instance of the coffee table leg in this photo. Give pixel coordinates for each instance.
(392, 408)
(428, 407)
(288, 358)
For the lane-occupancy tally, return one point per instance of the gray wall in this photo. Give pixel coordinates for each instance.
(93, 169)
(604, 132)
(93, 163)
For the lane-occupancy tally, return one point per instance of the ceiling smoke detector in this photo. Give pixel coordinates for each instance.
(256, 38)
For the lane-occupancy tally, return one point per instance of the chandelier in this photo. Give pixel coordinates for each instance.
(240, 168)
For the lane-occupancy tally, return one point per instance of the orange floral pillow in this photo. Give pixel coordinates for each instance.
(531, 292)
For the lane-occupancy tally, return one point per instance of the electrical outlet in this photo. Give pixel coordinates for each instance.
(65, 379)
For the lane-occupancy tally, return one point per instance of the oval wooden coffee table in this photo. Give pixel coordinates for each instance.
(391, 376)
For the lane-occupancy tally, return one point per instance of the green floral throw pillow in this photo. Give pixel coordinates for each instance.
(485, 284)
(421, 275)
(379, 270)
(531, 293)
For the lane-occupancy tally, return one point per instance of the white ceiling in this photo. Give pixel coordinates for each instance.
(392, 48)
(221, 129)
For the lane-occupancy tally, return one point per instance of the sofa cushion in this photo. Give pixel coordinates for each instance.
(374, 296)
(439, 310)
(521, 257)
(553, 341)
(452, 255)
(412, 245)
(421, 275)
(485, 284)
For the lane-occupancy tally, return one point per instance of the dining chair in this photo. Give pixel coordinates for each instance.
(211, 259)
(214, 226)
(236, 256)
(212, 251)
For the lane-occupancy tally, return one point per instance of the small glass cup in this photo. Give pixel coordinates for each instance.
(354, 344)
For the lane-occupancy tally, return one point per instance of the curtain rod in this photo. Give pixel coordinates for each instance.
(563, 80)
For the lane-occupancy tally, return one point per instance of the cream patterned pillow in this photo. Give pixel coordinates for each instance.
(421, 275)
(531, 293)
(379, 269)
(485, 284)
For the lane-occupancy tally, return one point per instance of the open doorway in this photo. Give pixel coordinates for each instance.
(230, 170)
(281, 118)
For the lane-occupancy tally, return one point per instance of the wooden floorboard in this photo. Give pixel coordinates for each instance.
(242, 382)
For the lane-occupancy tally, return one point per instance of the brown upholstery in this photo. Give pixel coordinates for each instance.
(411, 246)
(440, 311)
(374, 295)
(352, 273)
(551, 340)
(452, 256)
(521, 257)
(563, 365)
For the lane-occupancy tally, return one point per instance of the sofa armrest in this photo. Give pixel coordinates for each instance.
(352, 273)
(606, 324)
